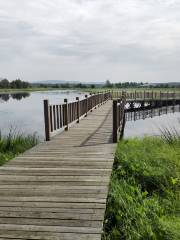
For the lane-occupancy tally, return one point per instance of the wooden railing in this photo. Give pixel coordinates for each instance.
(146, 95)
(118, 118)
(59, 117)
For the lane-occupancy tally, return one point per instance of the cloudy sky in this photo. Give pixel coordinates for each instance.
(90, 40)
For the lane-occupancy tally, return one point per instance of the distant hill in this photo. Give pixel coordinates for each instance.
(65, 82)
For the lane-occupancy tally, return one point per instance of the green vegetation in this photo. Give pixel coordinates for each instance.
(19, 85)
(143, 198)
(88, 89)
(16, 84)
(14, 144)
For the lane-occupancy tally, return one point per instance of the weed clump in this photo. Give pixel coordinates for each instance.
(14, 144)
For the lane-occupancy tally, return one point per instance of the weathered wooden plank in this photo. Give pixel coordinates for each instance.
(99, 216)
(38, 235)
(78, 209)
(47, 178)
(58, 229)
(53, 222)
(51, 204)
(79, 199)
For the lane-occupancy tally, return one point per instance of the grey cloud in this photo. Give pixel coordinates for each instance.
(117, 36)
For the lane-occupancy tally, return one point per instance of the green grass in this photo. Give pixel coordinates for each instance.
(92, 90)
(14, 144)
(10, 90)
(143, 198)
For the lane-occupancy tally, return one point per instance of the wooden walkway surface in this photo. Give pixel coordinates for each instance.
(58, 189)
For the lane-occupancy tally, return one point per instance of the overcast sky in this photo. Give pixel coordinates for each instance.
(90, 40)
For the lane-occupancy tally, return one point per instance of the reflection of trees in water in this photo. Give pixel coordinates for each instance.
(4, 97)
(18, 96)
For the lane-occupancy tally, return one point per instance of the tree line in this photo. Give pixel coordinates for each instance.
(4, 83)
(19, 84)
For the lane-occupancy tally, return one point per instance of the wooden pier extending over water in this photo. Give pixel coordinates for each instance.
(58, 189)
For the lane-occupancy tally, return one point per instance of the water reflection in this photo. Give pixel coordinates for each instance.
(4, 97)
(150, 121)
(24, 111)
(150, 113)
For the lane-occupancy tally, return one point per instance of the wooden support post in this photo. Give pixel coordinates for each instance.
(78, 109)
(135, 95)
(95, 100)
(91, 102)
(47, 120)
(98, 99)
(86, 96)
(66, 115)
(114, 121)
(123, 126)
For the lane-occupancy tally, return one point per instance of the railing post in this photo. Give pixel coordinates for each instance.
(86, 96)
(98, 99)
(114, 121)
(78, 109)
(66, 115)
(90, 102)
(95, 101)
(47, 120)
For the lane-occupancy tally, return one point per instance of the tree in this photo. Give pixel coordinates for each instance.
(108, 84)
(4, 83)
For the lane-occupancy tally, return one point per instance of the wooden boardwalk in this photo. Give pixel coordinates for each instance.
(58, 189)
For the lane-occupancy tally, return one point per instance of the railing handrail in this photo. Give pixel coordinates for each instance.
(145, 94)
(60, 116)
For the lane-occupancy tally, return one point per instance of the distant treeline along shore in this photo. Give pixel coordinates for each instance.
(19, 84)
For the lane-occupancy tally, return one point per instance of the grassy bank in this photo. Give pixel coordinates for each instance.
(10, 90)
(16, 90)
(14, 144)
(143, 199)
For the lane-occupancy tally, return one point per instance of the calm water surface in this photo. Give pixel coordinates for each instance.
(24, 112)
(153, 126)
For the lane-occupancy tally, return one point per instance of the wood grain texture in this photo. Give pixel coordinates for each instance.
(58, 189)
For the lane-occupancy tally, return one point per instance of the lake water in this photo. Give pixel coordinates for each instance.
(153, 122)
(24, 112)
